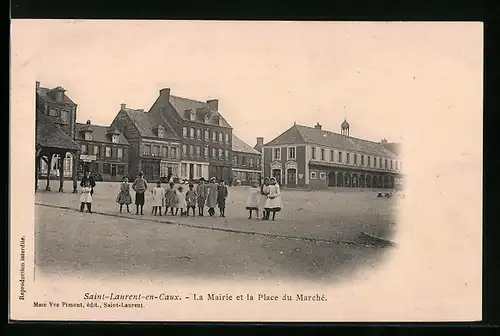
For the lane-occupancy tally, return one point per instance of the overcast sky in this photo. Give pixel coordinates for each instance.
(266, 75)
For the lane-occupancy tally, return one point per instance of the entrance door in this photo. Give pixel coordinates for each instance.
(291, 176)
(113, 170)
(331, 179)
(277, 175)
(225, 174)
(191, 171)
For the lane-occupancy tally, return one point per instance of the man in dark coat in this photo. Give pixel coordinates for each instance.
(88, 177)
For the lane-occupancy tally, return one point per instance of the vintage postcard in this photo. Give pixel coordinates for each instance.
(246, 171)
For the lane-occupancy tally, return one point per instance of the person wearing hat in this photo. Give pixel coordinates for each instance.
(202, 193)
(212, 196)
(140, 186)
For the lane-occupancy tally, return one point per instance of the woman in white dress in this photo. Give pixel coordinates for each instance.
(253, 199)
(264, 191)
(273, 202)
(158, 195)
(181, 201)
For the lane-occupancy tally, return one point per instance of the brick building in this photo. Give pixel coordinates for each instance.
(154, 145)
(204, 134)
(311, 157)
(246, 162)
(103, 151)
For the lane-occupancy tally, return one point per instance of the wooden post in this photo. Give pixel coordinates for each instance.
(49, 166)
(75, 174)
(61, 171)
(37, 169)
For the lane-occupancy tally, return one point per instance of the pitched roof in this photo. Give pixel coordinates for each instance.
(98, 133)
(239, 145)
(181, 104)
(145, 122)
(394, 147)
(311, 135)
(50, 135)
(42, 92)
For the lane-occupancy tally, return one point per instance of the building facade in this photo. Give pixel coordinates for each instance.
(103, 151)
(246, 162)
(310, 157)
(154, 147)
(55, 134)
(205, 136)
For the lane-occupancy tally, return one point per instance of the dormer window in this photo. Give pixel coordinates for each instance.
(114, 138)
(159, 131)
(88, 136)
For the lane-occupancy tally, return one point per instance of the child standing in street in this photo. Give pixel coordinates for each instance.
(191, 200)
(252, 203)
(181, 199)
(201, 192)
(158, 194)
(222, 193)
(140, 186)
(124, 196)
(170, 199)
(86, 197)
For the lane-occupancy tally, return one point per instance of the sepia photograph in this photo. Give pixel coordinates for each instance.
(282, 168)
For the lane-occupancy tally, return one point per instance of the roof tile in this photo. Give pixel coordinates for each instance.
(311, 135)
(98, 133)
(239, 145)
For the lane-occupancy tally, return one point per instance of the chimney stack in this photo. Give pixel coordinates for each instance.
(88, 122)
(123, 106)
(318, 126)
(165, 92)
(260, 143)
(37, 85)
(383, 142)
(213, 105)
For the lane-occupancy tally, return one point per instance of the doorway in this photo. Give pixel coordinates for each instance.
(277, 175)
(291, 177)
(191, 171)
(331, 179)
(113, 170)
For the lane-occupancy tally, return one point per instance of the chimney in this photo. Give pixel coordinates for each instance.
(383, 142)
(213, 105)
(37, 85)
(318, 126)
(123, 106)
(260, 143)
(88, 122)
(165, 92)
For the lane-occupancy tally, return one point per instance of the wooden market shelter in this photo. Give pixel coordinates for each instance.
(52, 140)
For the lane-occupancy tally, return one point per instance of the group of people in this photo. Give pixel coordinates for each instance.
(174, 200)
(263, 198)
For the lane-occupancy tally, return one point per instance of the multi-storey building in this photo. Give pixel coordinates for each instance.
(205, 135)
(154, 145)
(103, 151)
(56, 150)
(246, 162)
(314, 158)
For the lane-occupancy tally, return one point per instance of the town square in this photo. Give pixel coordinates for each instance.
(171, 175)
